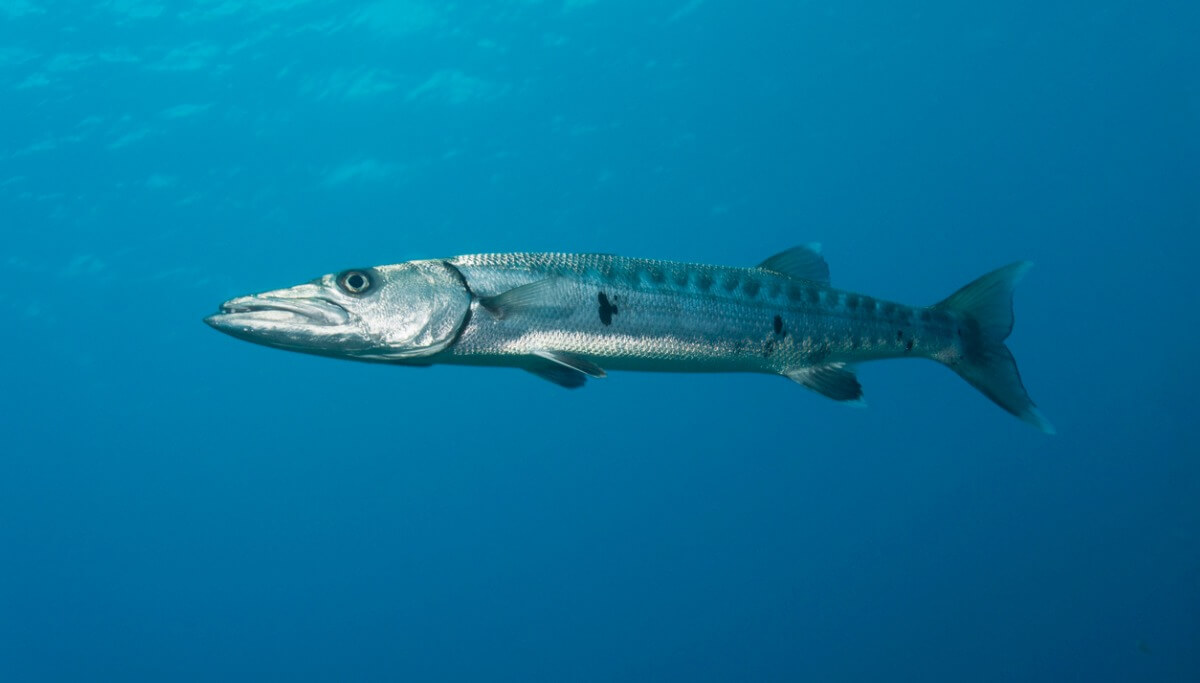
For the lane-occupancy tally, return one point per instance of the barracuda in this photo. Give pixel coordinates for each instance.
(568, 317)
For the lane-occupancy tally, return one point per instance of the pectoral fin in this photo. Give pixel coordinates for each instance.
(543, 297)
(834, 380)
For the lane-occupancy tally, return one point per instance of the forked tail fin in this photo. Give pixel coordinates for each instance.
(986, 309)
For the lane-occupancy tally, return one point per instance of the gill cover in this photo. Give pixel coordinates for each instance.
(417, 309)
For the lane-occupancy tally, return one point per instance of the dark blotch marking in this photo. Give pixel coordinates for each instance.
(730, 283)
(778, 326)
(814, 295)
(681, 277)
(908, 344)
(607, 308)
(794, 293)
(704, 282)
(751, 287)
(855, 342)
(926, 315)
(868, 305)
(656, 275)
(852, 301)
(768, 348)
(889, 310)
(899, 335)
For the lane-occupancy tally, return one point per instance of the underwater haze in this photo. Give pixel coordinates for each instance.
(177, 505)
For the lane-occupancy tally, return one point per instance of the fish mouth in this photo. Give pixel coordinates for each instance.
(248, 313)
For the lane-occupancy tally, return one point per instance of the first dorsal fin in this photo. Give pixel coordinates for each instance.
(537, 296)
(804, 262)
(834, 380)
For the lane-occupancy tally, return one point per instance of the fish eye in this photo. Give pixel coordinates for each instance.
(355, 281)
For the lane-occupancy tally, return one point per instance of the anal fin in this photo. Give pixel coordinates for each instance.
(834, 380)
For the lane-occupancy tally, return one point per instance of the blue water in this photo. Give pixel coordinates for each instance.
(177, 505)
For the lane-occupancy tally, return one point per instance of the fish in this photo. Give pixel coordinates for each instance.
(569, 317)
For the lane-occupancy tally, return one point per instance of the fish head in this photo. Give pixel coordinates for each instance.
(385, 313)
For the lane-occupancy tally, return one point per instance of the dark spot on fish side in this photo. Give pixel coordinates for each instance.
(852, 301)
(814, 295)
(855, 342)
(681, 277)
(868, 305)
(656, 275)
(908, 345)
(768, 348)
(730, 283)
(778, 325)
(889, 310)
(704, 282)
(926, 316)
(751, 287)
(794, 293)
(899, 335)
(607, 309)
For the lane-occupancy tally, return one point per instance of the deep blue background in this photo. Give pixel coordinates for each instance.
(176, 505)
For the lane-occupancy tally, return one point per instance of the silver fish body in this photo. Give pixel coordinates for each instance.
(638, 314)
(566, 317)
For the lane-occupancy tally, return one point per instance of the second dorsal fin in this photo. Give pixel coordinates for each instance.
(804, 262)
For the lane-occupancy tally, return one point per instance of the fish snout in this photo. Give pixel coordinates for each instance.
(271, 318)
